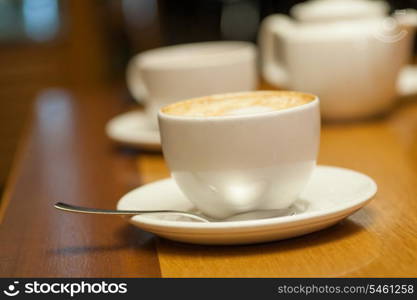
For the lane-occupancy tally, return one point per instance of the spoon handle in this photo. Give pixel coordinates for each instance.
(87, 210)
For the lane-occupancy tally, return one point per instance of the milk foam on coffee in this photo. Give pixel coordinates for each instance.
(238, 104)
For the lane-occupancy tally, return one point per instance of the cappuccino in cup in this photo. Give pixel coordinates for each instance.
(240, 152)
(237, 104)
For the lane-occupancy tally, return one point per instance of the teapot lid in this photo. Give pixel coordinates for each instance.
(338, 10)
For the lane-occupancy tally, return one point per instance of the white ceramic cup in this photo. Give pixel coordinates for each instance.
(232, 164)
(165, 75)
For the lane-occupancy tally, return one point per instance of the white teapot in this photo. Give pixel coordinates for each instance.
(349, 52)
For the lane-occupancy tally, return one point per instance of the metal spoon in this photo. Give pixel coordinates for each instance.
(86, 210)
(259, 214)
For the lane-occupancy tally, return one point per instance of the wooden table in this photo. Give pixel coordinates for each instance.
(65, 156)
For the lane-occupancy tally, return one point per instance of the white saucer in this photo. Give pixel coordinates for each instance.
(331, 195)
(132, 128)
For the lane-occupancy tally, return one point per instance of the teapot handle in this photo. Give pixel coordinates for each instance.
(271, 41)
(407, 81)
(134, 81)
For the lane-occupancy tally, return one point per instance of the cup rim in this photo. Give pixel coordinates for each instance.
(273, 113)
(243, 51)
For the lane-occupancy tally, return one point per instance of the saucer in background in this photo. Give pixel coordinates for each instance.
(133, 129)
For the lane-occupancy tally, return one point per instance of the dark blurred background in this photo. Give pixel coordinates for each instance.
(87, 43)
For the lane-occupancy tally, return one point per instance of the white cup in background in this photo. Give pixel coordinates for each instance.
(165, 75)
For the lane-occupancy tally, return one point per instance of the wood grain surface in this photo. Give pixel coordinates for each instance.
(65, 156)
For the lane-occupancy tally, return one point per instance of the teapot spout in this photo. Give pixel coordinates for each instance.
(406, 18)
